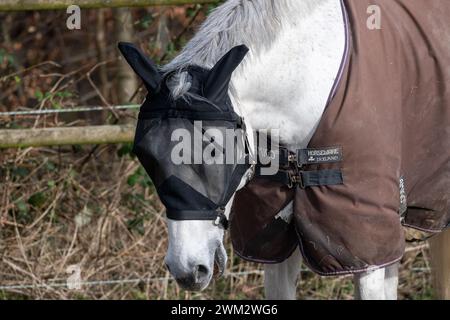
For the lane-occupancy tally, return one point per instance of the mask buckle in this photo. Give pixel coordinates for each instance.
(221, 219)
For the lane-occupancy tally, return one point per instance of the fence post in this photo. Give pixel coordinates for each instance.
(440, 261)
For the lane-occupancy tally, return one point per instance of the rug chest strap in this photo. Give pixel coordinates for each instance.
(305, 179)
(292, 163)
(320, 178)
(308, 156)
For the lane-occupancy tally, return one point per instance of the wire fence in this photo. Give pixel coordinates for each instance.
(68, 110)
(64, 284)
(60, 283)
(14, 5)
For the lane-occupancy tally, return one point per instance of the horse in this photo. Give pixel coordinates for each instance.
(296, 49)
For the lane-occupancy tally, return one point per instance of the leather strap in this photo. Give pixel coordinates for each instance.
(218, 216)
(290, 163)
(321, 178)
(307, 156)
(306, 179)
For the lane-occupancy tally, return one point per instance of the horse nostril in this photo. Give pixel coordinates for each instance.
(202, 272)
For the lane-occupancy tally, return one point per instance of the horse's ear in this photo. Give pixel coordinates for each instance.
(216, 85)
(145, 68)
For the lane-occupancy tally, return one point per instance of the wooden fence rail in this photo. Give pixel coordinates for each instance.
(17, 138)
(25, 5)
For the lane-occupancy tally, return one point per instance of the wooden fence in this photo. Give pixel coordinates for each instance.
(24, 5)
(14, 138)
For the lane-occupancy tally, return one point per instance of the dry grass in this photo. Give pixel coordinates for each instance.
(95, 208)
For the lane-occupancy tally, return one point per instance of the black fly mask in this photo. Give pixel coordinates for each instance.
(184, 143)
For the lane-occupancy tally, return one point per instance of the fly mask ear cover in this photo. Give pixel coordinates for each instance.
(170, 143)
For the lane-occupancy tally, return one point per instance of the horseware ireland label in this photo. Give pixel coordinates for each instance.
(317, 156)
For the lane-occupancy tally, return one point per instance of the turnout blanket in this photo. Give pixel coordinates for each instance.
(389, 115)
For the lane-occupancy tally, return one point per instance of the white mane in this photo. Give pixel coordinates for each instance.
(255, 23)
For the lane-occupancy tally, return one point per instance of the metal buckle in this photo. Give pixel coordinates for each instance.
(295, 179)
(295, 159)
(292, 158)
(290, 184)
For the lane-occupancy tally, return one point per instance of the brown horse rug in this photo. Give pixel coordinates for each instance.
(380, 157)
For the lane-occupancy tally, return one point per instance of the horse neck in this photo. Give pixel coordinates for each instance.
(287, 86)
